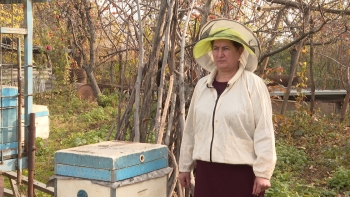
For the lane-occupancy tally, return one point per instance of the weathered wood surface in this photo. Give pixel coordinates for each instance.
(42, 77)
(1, 186)
(9, 30)
(37, 185)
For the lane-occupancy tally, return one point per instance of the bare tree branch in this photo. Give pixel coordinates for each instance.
(307, 7)
(291, 43)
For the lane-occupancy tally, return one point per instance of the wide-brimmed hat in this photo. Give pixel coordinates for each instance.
(231, 30)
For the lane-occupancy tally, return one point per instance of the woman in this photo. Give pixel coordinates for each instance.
(229, 130)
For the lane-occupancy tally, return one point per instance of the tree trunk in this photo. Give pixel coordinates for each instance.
(295, 53)
(92, 40)
(346, 99)
(226, 9)
(138, 80)
(181, 81)
(92, 79)
(272, 41)
(345, 106)
(173, 178)
(152, 67)
(312, 80)
(159, 125)
(170, 128)
(171, 62)
(207, 8)
(111, 73)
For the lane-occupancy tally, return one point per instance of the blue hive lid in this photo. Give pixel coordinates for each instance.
(111, 160)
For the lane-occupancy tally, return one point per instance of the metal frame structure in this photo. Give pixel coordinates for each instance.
(24, 154)
(27, 32)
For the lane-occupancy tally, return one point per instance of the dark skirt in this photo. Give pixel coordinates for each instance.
(224, 180)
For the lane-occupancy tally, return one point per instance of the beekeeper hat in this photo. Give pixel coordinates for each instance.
(231, 30)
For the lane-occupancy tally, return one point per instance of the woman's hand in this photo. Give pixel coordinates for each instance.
(185, 179)
(260, 185)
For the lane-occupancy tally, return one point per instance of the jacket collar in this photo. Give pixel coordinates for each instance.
(230, 83)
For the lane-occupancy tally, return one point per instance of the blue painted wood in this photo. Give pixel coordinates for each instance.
(111, 154)
(91, 161)
(8, 118)
(110, 175)
(111, 160)
(8, 145)
(10, 165)
(39, 114)
(9, 148)
(9, 91)
(83, 172)
(134, 159)
(8, 152)
(8, 114)
(144, 168)
(8, 96)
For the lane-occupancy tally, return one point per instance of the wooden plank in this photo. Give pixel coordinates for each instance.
(9, 193)
(8, 30)
(1, 186)
(110, 175)
(143, 168)
(110, 161)
(37, 185)
(14, 187)
(40, 76)
(111, 154)
(45, 74)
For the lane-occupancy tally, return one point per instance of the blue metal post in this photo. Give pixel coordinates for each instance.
(28, 66)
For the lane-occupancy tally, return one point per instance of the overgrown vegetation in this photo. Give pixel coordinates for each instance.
(313, 152)
(313, 156)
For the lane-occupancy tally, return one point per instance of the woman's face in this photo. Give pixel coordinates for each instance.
(226, 55)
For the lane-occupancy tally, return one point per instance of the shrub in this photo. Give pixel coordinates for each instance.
(290, 158)
(340, 180)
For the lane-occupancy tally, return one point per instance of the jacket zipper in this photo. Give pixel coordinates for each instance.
(212, 137)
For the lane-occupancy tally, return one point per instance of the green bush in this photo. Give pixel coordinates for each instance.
(340, 180)
(84, 138)
(96, 115)
(287, 184)
(42, 146)
(290, 158)
(286, 181)
(108, 100)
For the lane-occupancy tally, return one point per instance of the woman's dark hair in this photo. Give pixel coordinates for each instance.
(237, 44)
(234, 43)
